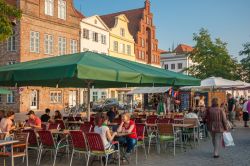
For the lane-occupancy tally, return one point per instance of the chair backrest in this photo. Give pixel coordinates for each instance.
(86, 128)
(61, 124)
(178, 116)
(78, 118)
(78, 140)
(151, 120)
(192, 121)
(117, 120)
(46, 138)
(165, 129)
(165, 120)
(137, 120)
(33, 141)
(71, 118)
(44, 126)
(140, 131)
(95, 142)
(53, 126)
(2, 136)
(22, 137)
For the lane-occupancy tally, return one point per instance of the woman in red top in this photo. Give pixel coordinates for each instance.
(128, 126)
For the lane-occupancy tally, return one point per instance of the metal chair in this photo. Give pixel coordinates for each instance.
(79, 143)
(192, 131)
(96, 148)
(49, 144)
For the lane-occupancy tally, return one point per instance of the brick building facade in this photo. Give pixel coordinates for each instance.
(142, 28)
(47, 28)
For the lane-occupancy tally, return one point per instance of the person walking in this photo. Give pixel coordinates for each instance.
(217, 124)
(231, 108)
(246, 112)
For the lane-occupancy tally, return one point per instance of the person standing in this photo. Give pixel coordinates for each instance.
(231, 108)
(217, 124)
(245, 112)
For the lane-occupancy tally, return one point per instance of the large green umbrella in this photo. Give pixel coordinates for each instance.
(89, 69)
(4, 91)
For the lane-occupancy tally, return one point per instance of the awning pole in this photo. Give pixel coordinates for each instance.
(88, 100)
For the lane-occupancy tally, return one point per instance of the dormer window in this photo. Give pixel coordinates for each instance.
(62, 9)
(49, 7)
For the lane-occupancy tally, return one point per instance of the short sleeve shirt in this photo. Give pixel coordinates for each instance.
(134, 136)
(36, 121)
(45, 118)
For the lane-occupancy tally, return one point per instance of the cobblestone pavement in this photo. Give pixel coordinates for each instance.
(199, 156)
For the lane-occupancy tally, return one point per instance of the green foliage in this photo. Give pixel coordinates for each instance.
(8, 13)
(211, 58)
(246, 61)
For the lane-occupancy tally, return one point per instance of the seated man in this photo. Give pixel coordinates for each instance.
(45, 117)
(192, 115)
(33, 121)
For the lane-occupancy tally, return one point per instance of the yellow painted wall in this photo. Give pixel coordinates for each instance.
(115, 35)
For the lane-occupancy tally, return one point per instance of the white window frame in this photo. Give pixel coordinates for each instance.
(11, 62)
(142, 42)
(62, 45)
(73, 46)
(56, 97)
(62, 8)
(95, 96)
(166, 66)
(103, 95)
(129, 49)
(49, 7)
(116, 46)
(123, 48)
(34, 42)
(173, 66)
(48, 44)
(143, 55)
(103, 39)
(85, 33)
(95, 36)
(10, 98)
(11, 43)
(180, 64)
(140, 53)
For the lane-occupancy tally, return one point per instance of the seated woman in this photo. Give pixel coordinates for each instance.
(128, 126)
(57, 116)
(6, 124)
(102, 129)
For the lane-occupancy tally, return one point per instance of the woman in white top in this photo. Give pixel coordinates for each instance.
(102, 129)
(6, 124)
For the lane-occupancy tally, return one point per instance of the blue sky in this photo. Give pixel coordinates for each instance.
(177, 20)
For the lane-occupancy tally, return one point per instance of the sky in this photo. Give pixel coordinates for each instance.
(177, 20)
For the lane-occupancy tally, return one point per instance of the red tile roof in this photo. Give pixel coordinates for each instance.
(134, 16)
(162, 51)
(182, 48)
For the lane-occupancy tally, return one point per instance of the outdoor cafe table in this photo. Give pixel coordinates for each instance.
(174, 125)
(4, 143)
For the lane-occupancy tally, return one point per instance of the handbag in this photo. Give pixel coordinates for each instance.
(228, 139)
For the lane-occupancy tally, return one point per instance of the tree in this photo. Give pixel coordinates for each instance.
(245, 62)
(211, 58)
(8, 13)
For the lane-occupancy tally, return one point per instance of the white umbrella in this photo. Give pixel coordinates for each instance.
(245, 84)
(215, 83)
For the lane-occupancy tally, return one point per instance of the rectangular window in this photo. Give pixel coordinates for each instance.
(115, 46)
(10, 98)
(143, 55)
(104, 95)
(172, 66)
(55, 97)
(179, 65)
(95, 96)
(166, 66)
(73, 46)
(11, 62)
(103, 39)
(62, 45)
(123, 48)
(95, 37)
(122, 32)
(62, 9)
(11, 43)
(139, 54)
(128, 49)
(142, 42)
(85, 33)
(34, 41)
(49, 7)
(48, 44)
(153, 58)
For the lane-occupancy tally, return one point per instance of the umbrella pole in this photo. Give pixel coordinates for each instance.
(88, 101)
